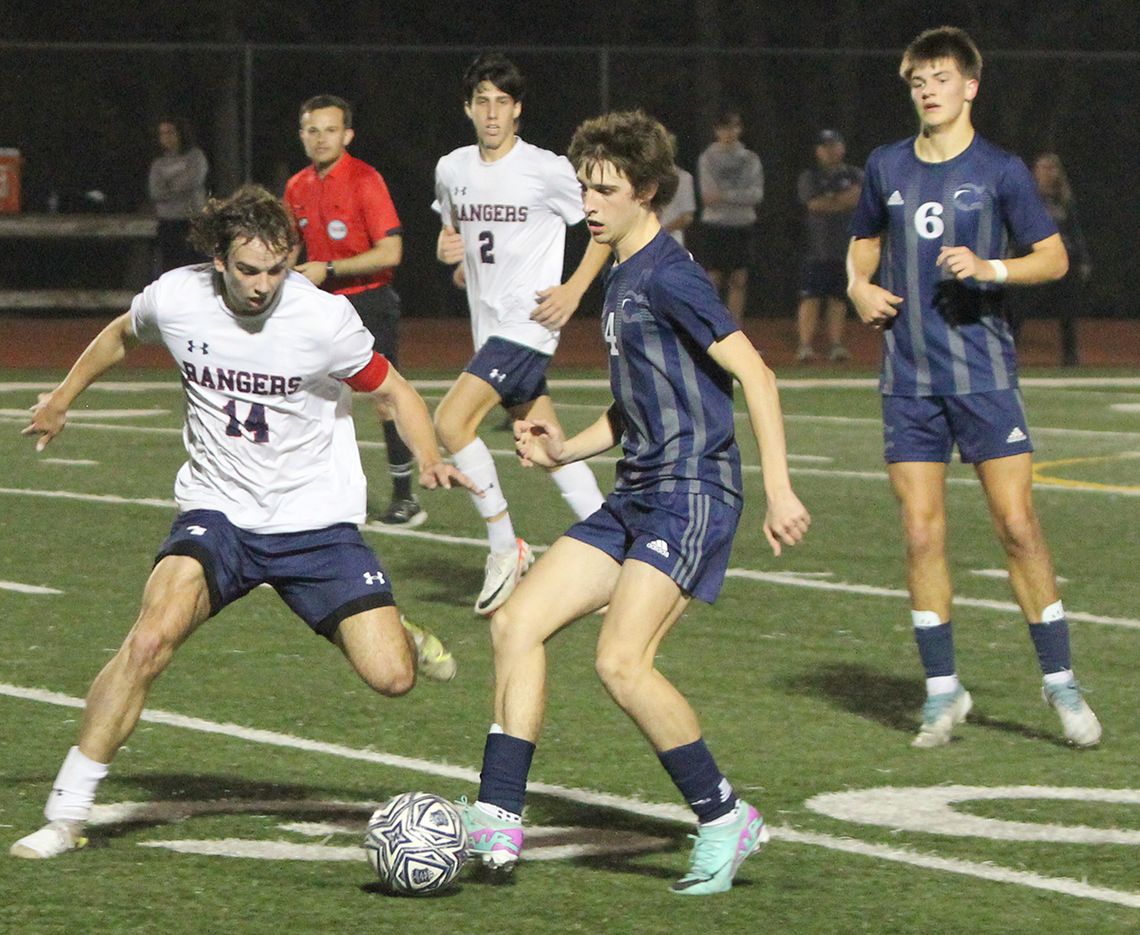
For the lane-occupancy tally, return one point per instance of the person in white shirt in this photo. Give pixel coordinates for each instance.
(677, 214)
(504, 205)
(273, 488)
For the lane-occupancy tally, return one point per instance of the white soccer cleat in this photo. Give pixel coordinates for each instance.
(1081, 727)
(54, 838)
(940, 715)
(504, 569)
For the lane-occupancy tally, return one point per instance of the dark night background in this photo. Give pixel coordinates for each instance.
(81, 87)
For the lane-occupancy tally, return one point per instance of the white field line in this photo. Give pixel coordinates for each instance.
(660, 811)
(603, 383)
(778, 578)
(747, 468)
(20, 588)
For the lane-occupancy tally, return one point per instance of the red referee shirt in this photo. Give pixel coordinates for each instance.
(343, 214)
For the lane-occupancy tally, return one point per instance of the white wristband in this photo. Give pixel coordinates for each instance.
(1001, 271)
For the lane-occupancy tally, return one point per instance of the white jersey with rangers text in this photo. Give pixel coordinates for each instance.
(512, 215)
(268, 425)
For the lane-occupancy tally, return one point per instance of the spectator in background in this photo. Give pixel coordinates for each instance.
(678, 213)
(829, 192)
(731, 178)
(176, 187)
(1064, 298)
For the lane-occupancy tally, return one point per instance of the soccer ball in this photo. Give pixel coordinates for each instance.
(416, 843)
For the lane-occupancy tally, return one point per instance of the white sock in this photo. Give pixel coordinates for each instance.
(1064, 677)
(726, 819)
(579, 488)
(73, 793)
(474, 460)
(501, 534)
(500, 813)
(942, 685)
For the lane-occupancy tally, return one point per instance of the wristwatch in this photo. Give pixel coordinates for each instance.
(330, 270)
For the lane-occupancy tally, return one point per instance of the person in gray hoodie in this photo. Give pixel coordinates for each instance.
(731, 180)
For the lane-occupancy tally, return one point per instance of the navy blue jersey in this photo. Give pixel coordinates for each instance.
(660, 316)
(950, 336)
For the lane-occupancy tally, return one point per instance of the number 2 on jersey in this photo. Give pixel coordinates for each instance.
(487, 246)
(254, 423)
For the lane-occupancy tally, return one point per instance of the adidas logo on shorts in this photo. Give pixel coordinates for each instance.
(1015, 436)
(660, 546)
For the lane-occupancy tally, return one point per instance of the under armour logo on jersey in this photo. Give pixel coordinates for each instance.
(497, 374)
(1015, 436)
(660, 546)
(459, 190)
(196, 530)
(371, 578)
(204, 347)
(896, 198)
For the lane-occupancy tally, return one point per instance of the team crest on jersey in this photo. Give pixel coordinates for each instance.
(337, 230)
(969, 197)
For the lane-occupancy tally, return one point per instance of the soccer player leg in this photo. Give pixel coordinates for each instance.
(539, 607)
(175, 601)
(917, 445)
(457, 418)
(1007, 482)
(576, 482)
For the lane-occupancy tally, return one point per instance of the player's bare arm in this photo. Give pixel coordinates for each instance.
(449, 246)
(786, 520)
(1046, 262)
(110, 346)
(558, 303)
(385, 253)
(543, 444)
(875, 305)
(398, 399)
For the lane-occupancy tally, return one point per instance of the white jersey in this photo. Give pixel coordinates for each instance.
(512, 214)
(268, 423)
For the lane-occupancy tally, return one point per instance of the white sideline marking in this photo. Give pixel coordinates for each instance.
(984, 871)
(78, 414)
(69, 462)
(928, 810)
(665, 812)
(867, 590)
(1002, 574)
(26, 588)
(792, 579)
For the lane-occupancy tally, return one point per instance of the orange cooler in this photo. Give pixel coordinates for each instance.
(10, 181)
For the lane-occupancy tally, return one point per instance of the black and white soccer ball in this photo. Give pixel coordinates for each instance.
(416, 843)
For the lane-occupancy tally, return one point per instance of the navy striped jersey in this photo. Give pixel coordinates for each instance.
(659, 317)
(950, 336)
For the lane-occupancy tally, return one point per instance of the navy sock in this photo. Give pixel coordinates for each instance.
(936, 649)
(400, 463)
(694, 771)
(506, 763)
(1051, 640)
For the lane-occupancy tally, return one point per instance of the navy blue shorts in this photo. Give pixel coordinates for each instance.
(823, 279)
(983, 425)
(325, 576)
(686, 536)
(517, 372)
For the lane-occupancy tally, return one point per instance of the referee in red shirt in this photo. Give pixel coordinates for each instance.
(353, 244)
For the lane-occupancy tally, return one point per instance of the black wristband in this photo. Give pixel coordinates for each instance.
(330, 270)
